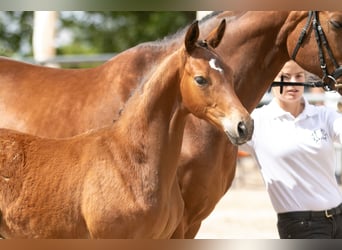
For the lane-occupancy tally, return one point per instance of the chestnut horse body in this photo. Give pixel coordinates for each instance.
(120, 181)
(60, 103)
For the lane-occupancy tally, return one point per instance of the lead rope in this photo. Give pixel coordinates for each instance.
(318, 84)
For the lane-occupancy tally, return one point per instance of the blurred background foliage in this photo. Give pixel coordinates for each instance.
(15, 33)
(90, 32)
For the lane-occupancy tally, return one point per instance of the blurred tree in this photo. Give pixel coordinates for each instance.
(89, 32)
(107, 32)
(15, 33)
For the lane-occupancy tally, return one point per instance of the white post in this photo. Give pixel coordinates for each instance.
(201, 14)
(43, 41)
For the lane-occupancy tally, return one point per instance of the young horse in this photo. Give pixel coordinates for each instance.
(120, 181)
(60, 103)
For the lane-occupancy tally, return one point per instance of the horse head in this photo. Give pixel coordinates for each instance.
(321, 35)
(207, 89)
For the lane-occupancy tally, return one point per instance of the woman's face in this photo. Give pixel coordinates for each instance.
(291, 72)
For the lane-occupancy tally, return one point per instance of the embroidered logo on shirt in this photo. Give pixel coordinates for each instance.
(319, 135)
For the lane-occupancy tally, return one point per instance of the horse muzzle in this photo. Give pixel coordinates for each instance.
(239, 133)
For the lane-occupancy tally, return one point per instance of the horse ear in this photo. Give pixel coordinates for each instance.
(191, 36)
(216, 35)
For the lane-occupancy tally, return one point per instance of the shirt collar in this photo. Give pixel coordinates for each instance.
(277, 111)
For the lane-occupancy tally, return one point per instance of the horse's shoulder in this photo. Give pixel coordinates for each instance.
(11, 153)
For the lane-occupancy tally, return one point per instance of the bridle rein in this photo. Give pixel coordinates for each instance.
(329, 81)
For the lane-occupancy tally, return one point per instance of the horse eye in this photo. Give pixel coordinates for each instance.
(200, 80)
(336, 24)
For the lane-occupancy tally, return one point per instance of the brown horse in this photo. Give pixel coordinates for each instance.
(256, 45)
(120, 181)
(60, 103)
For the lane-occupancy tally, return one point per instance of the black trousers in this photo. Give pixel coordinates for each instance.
(311, 225)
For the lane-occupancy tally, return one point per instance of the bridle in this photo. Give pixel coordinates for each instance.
(328, 81)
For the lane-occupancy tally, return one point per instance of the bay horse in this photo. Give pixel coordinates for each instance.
(60, 103)
(256, 45)
(120, 181)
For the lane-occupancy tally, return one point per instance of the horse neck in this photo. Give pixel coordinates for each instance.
(255, 46)
(140, 58)
(152, 122)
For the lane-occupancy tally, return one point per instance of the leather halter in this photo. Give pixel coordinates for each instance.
(329, 81)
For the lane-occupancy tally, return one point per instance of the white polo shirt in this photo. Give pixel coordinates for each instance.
(296, 156)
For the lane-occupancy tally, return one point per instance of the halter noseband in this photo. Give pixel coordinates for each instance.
(328, 80)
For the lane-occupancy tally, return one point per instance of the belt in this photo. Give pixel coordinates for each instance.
(312, 214)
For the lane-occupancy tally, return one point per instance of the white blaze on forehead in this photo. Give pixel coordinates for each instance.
(213, 65)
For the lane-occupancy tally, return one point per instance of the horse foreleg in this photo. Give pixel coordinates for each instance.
(179, 232)
(192, 231)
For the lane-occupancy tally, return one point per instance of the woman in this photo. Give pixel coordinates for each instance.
(293, 143)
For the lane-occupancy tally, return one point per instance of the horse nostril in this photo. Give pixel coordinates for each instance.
(242, 129)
